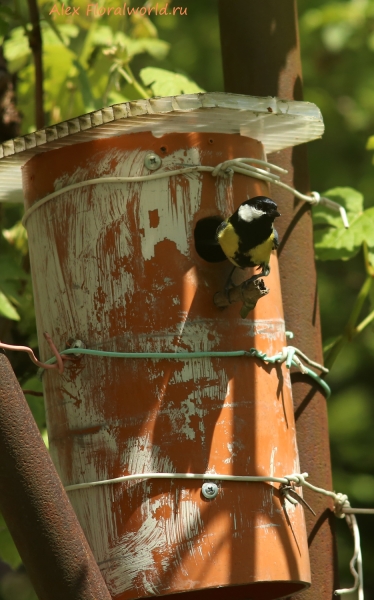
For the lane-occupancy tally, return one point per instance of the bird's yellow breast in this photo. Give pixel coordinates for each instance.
(229, 242)
(261, 253)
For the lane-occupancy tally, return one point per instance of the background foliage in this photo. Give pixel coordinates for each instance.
(90, 62)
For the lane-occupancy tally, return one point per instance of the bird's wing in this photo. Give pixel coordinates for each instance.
(275, 240)
(220, 228)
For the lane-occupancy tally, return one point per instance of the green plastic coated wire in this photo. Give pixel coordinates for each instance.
(288, 356)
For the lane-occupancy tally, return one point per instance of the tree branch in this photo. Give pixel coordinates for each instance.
(249, 293)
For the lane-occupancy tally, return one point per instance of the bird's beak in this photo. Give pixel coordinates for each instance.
(275, 213)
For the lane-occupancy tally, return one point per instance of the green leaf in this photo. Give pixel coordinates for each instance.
(12, 288)
(17, 50)
(90, 102)
(331, 240)
(4, 26)
(115, 97)
(370, 143)
(58, 66)
(158, 49)
(10, 269)
(143, 27)
(7, 12)
(102, 36)
(17, 237)
(166, 83)
(58, 34)
(7, 309)
(8, 550)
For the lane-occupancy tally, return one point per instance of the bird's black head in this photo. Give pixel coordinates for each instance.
(257, 208)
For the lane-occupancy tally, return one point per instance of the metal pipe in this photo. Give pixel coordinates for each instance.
(261, 57)
(36, 508)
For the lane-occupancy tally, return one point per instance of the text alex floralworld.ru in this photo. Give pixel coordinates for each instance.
(93, 9)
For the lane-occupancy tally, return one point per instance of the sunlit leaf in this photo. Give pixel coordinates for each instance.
(7, 309)
(166, 83)
(17, 50)
(58, 67)
(336, 36)
(153, 46)
(370, 143)
(143, 27)
(17, 236)
(332, 241)
(115, 97)
(102, 36)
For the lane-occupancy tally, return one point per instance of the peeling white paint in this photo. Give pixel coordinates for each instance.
(272, 458)
(142, 456)
(134, 554)
(270, 330)
(175, 213)
(224, 196)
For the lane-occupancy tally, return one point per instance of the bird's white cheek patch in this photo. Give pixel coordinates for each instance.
(249, 213)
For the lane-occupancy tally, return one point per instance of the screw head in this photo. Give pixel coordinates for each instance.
(152, 161)
(209, 490)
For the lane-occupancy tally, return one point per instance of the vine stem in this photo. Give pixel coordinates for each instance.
(368, 266)
(351, 329)
(139, 88)
(35, 43)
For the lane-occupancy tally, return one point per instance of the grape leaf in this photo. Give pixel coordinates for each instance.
(7, 309)
(332, 241)
(167, 83)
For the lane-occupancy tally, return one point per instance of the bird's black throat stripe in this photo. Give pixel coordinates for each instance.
(250, 235)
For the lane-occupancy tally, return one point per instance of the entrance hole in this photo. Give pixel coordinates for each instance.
(206, 244)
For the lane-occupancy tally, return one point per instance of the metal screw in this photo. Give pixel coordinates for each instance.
(209, 490)
(152, 161)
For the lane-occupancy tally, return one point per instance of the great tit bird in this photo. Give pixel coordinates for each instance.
(248, 236)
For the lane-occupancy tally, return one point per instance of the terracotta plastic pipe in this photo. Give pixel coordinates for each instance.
(35, 506)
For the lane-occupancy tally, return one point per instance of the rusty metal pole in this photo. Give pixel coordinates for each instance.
(36, 508)
(261, 57)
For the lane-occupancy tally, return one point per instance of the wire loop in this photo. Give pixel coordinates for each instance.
(243, 166)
